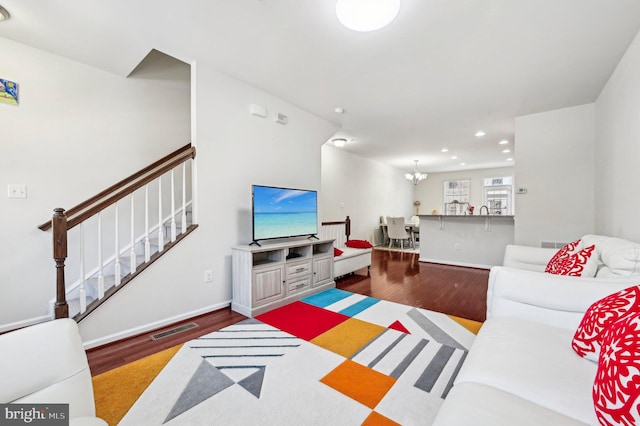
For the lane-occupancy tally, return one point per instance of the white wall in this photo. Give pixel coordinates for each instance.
(617, 172)
(362, 189)
(555, 162)
(76, 131)
(234, 150)
(430, 192)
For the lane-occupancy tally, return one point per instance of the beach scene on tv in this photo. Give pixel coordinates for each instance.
(281, 212)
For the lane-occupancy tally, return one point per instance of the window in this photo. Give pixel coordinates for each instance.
(498, 195)
(456, 196)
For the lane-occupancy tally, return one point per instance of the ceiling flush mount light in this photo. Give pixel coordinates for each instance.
(506, 151)
(444, 150)
(480, 134)
(4, 15)
(366, 15)
(416, 177)
(503, 142)
(339, 142)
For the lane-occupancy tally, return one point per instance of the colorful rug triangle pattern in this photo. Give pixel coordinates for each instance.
(332, 358)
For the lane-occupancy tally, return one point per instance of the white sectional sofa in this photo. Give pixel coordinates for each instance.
(521, 368)
(46, 364)
(615, 256)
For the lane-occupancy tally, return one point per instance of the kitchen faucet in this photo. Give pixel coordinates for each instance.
(484, 207)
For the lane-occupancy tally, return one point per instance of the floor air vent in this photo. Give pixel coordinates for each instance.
(174, 331)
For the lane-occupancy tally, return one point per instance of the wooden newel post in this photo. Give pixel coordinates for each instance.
(347, 226)
(59, 224)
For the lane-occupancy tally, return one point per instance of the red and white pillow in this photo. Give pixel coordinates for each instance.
(616, 390)
(587, 339)
(573, 260)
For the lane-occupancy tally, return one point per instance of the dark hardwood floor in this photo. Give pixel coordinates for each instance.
(394, 276)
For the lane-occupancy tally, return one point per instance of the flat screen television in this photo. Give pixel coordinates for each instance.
(283, 212)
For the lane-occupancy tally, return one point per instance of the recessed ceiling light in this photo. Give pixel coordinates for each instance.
(4, 15)
(339, 142)
(339, 110)
(503, 142)
(454, 157)
(463, 164)
(366, 15)
(506, 151)
(509, 159)
(480, 134)
(444, 150)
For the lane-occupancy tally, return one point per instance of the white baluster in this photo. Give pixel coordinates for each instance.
(184, 197)
(117, 241)
(147, 244)
(160, 224)
(173, 208)
(83, 290)
(132, 255)
(100, 260)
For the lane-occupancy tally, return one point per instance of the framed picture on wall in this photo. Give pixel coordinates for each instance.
(8, 92)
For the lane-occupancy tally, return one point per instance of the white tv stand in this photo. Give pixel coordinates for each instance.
(273, 275)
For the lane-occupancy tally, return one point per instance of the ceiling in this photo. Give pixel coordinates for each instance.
(442, 70)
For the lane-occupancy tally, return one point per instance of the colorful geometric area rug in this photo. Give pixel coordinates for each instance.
(334, 358)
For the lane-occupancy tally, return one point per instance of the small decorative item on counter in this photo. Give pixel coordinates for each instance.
(470, 209)
(416, 203)
(434, 212)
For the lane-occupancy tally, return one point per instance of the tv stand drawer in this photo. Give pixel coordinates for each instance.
(298, 269)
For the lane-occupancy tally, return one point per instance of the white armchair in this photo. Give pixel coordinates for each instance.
(46, 363)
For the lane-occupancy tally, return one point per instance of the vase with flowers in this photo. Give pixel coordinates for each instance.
(470, 209)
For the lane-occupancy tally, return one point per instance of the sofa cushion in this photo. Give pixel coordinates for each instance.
(587, 339)
(532, 361)
(479, 405)
(358, 244)
(616, 391)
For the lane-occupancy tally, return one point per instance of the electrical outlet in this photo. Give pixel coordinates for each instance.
(208, 276)
(17, 191)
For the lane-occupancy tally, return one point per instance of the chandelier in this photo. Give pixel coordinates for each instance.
(416, 177)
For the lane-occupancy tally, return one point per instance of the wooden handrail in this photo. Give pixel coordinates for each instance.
(123, 183)
(88, 208)
(63, 221)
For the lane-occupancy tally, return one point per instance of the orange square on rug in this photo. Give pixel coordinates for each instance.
(360, 383)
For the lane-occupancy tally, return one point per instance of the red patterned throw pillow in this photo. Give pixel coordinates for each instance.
(561, 256)
(337, 251)
(616, 390)
(358, 244)
(573, 261)
(587, 339)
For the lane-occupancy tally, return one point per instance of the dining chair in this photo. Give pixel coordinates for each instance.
(397, 231)
(383, 227)
(415, 229)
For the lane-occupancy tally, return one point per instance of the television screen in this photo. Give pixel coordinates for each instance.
(283, 212)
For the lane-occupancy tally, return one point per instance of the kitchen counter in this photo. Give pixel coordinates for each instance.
(465, 240)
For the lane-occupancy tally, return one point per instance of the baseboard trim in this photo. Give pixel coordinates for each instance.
(453, 263)
(24, 323)
(152, 326)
